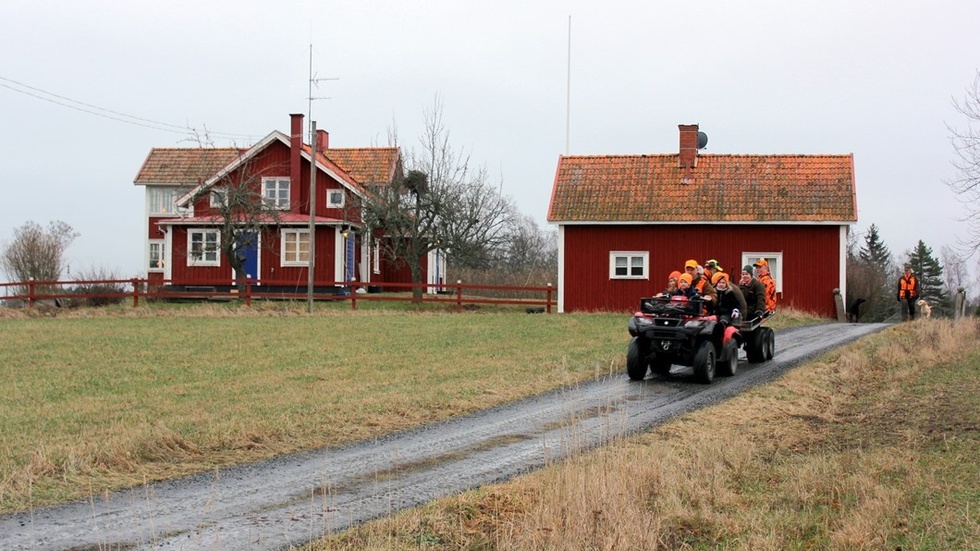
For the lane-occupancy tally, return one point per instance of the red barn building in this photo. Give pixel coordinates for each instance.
(626, 221)
(183, 239)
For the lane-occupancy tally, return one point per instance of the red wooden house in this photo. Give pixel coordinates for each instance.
(183, 241)
(626, 221)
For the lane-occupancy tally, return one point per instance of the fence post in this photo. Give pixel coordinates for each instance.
(548, 306)
(136, 292)
(30, 292)
(459, 295)
(248, 290)
(353, 295)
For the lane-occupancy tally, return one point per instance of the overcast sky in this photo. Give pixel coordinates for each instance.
(872, 78)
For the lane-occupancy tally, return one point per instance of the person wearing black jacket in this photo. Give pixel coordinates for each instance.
(731, 303)
(754, 293)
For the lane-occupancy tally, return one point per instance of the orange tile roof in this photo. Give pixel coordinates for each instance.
(184, 165)
(733, 188)
(368, 165)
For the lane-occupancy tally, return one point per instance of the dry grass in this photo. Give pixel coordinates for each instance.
(101, 399)
(872, 447)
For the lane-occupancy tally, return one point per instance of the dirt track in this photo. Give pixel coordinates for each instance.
(294, 499)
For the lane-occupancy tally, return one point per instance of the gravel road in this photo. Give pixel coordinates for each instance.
(294, 499)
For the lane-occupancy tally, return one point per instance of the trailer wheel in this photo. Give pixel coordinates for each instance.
(770, 343)
(728, 363)
(704, 362)
(636, 360)
(755, 346)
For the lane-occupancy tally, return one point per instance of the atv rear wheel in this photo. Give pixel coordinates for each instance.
(636, 360)
(728, 364)
(704, 362)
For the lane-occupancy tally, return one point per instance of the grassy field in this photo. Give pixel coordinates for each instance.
(874, 446)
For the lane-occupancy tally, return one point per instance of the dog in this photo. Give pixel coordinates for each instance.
(924, 309)
(854, 312)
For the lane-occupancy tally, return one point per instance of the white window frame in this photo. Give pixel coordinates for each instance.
(376, 256)
(213, 252)
(216, 193)
(775, 261)
(294, 234)
(630, 257)
(331, 204)
(162, 201)
(276, 201)
(160, 257)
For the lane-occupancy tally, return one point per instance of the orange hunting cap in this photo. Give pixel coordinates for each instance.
(691, 264)
(761, 262)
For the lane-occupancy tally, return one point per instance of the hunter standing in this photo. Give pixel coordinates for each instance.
(908, 293)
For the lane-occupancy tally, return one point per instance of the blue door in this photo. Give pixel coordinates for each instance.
(349, 259)
(247, 247)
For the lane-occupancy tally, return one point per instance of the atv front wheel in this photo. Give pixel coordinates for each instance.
(636, 360)
(704, 362)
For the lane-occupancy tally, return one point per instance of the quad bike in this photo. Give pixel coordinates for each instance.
(675, 331)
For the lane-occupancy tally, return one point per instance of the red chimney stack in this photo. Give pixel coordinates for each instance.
(295, 151)
(322, 140)
(688, 157)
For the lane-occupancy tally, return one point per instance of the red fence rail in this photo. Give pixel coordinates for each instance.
(56, 293)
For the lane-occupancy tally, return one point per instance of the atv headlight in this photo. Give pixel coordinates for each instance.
(694, 324)
(643, 321)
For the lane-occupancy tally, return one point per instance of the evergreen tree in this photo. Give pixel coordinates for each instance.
(874, 251)
(930, 274)
(869, 274)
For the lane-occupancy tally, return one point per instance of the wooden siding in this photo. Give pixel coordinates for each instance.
(272, 270)
(182, 274)
(811, 260)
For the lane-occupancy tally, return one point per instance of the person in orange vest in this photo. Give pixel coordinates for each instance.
(701, 283)
(762, 272)
(908, 293)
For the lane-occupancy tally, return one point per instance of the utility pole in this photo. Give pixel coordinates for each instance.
(312, 203)
(312, 224)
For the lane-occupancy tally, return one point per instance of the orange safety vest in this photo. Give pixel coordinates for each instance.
(770, 284)
(906, 286)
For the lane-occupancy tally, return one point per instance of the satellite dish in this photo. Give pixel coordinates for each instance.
(702, 140)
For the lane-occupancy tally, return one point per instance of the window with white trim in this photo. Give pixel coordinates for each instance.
(275, 192)
(629, 265)
(775, 261)
(335, 198)
(376, 256)
(218, 198)
(295, 248)
(203, 248)
(157, 259)
(163, 200)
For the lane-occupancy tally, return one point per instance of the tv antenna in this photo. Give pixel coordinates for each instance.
(314, 81)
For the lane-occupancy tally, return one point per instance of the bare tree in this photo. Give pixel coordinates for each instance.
(443, 202)
(239, 209)
(37, 253)
(966, 143)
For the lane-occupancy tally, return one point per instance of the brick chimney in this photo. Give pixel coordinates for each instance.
(295, 150)
(688, 157)
(322, 140)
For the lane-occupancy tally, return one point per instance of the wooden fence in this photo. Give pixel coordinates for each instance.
(58, 293)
